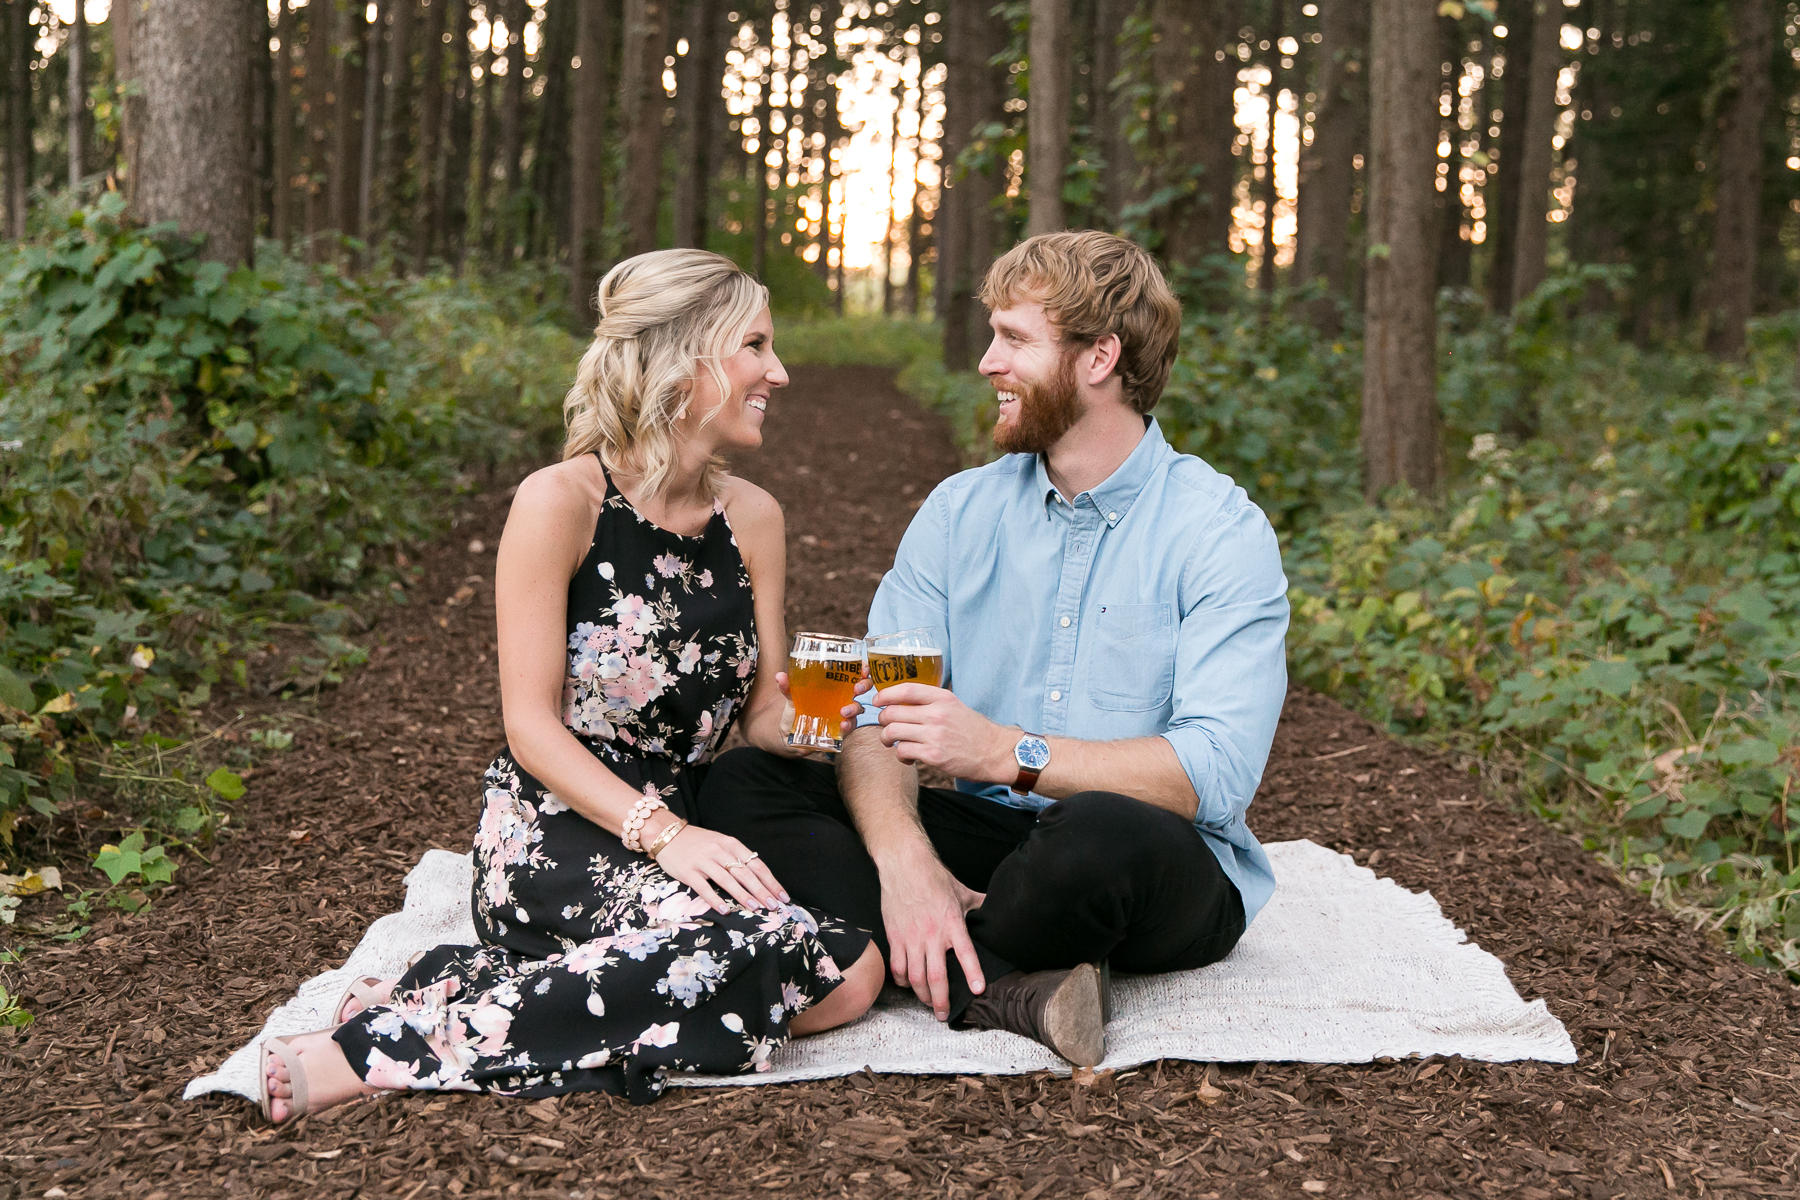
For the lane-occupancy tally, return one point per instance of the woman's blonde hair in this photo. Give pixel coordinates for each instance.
(663, 317)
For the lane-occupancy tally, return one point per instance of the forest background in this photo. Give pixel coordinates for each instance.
(1491, 305)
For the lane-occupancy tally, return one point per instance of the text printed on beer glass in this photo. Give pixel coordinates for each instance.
(910, 656)
(822, 674)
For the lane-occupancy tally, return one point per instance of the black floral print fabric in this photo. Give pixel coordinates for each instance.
(599, 972)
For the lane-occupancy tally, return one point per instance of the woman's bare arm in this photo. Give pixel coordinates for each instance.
(547, 535)
(761, 532)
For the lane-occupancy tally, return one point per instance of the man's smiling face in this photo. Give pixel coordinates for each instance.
(1033, 375)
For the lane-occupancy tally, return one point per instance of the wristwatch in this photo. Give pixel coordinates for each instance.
(1032, 753)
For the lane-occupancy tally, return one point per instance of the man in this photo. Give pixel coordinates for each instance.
(1114, 615)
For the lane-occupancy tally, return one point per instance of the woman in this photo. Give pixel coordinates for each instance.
(636, 583)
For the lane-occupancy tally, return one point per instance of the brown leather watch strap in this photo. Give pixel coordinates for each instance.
(1026, 781)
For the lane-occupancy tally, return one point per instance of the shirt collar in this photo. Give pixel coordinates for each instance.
(1113, 497)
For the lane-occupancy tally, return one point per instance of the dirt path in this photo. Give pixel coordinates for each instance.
(1688, 1084)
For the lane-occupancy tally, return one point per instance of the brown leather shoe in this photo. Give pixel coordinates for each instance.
(1061, 1009)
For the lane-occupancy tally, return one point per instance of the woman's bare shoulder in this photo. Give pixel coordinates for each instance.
(561, 490)
(747, 504)
(556, 506)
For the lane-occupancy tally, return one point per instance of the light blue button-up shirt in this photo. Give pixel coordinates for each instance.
(1153, 604)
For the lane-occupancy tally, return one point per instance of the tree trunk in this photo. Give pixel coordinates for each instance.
(951, 289)
(19, 124)
(1532, 238)
(370, 161)
(321, 16)
(689, 107)
(720, 144)
(550, 167)
(77, 103)
(973, 95)
(1400, 417)
(646, 26)
(196, 147)
(1048, 115)
(1270, 193)
(1195, 154)
(481, 188)
(122, 23)
(587, 153)
(827, 73)
(1731, 288)
(396, 116)
(260, 70)
(1119, 181)
(888, 290)
(1327, 167)
(346, 131)
(450, 218)
(508, 210)
(915, 241)
(1503, 213)
(431, 117)
(1453, 249)
(282, 140)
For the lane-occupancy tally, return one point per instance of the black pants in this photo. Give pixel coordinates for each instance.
(1095, 876)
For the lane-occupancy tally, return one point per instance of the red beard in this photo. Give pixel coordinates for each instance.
(1047, 410)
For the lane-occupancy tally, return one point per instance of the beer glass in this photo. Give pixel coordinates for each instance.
(910, 656)
(822, 674)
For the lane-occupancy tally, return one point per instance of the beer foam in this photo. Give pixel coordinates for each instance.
(826, 658)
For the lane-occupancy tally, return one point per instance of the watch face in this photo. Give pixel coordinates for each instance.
(1032, 752)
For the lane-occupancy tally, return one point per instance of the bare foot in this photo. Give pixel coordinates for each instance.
(363, 995)
(329, 1077)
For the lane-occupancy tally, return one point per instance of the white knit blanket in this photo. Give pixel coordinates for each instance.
(1340, 967)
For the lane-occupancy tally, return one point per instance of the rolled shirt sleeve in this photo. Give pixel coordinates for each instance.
(1230, 664)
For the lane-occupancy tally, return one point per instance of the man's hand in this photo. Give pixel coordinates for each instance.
(928, 726)
(923, 907)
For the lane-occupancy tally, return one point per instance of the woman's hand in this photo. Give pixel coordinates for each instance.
(701, 858)
(848, 713)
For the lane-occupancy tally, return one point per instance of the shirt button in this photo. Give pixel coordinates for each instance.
(1056, 695)
(1065, 622)
(1112, 516)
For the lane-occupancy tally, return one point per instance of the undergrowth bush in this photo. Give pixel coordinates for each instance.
(1607, 611)
(190, 453)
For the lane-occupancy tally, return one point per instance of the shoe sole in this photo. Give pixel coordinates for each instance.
(1074, 1021)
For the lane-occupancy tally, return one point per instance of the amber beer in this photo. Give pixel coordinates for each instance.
(911, 656)
(822, 675)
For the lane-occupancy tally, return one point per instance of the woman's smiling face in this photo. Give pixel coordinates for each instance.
(752, 373)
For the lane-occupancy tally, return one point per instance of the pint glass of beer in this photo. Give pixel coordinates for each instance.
(910, 656)
(822, 675)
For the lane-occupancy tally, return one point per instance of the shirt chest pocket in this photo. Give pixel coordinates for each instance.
(1132, 664)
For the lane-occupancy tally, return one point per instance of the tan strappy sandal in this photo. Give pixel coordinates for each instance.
(365, 992)
(279, 1048)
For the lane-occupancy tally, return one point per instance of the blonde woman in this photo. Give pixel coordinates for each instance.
(639, 598)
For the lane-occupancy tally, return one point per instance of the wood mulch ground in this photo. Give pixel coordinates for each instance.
(1688, 1083)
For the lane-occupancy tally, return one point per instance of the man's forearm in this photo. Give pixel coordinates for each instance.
(882, 794)
(1146, 769)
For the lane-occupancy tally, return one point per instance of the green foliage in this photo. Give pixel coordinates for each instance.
(11, 1014)
(1611, 609)
(132, 856)
(1262, 398)
(189, 454)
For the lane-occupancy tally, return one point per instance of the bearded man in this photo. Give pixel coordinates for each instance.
(1114, 614)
